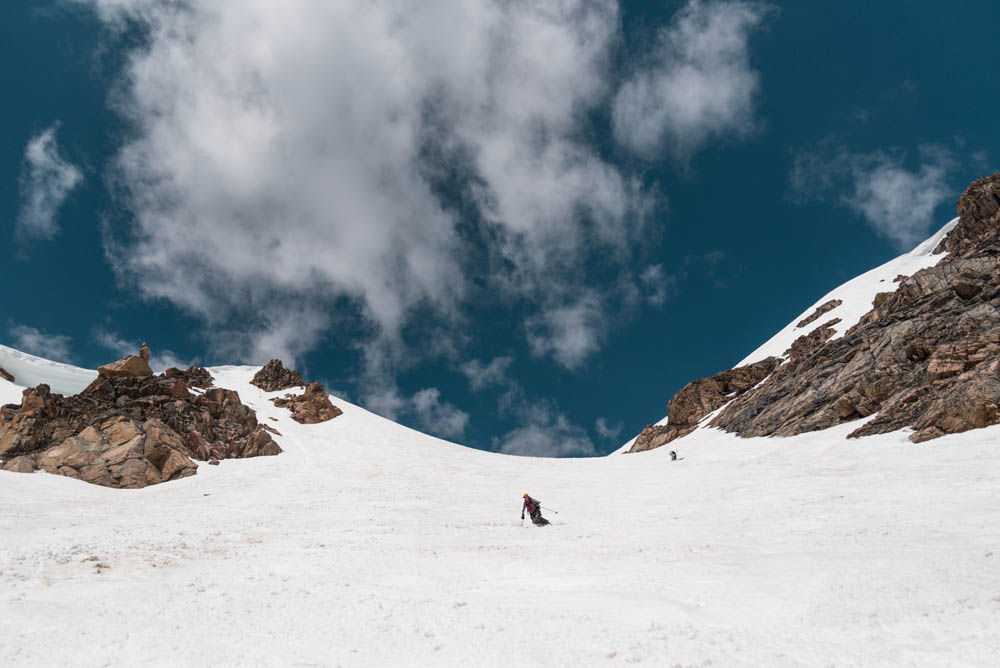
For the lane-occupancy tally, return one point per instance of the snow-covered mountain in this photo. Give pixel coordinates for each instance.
(913, 344)
(366, 543)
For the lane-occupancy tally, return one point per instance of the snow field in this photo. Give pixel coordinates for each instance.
(368, 544)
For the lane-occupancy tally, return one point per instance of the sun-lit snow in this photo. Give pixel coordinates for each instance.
(29, 371)
(857, 295)
(368, 544)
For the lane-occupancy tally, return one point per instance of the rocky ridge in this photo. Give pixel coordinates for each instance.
(927, 355)
(130, 428)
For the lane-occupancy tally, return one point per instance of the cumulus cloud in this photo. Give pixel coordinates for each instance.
(605, 430)
(159, 360)
(482, 375)
(55, 347)
(47, 179)
(437, 416)
(657, 286)
(897, 200)
(290, 157)
(568, 333)
(697, 83)
(546, 432)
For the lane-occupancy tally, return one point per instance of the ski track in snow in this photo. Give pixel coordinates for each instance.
(368, 544)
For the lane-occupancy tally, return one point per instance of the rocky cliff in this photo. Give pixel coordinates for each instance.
(926, 356)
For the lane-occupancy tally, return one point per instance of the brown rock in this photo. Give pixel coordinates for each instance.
(22, 464)
(824, 308)
(144, 352)
(807, 344)
(311, 407)
(6, 376)
(274, 377)
(133, 365)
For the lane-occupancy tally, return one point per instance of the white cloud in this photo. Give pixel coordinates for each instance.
(569, 333)
(482, 375)
(55, 347)
(289, 155)
(657, 286)
(897, 201)
(47, 179)
(604, 430)
(159, 360)
(546, 433)
(438, 417)
(697, 83)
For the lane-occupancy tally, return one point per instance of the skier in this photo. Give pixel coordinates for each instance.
(673, 455)
(534, 509)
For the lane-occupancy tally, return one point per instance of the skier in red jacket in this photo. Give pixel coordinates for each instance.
(534, 509)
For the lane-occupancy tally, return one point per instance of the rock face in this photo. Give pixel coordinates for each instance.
(699, 398)
(822, 309)
(926, 356)
(130, 430)
(274, 376)
(6, 376)
(311, 407)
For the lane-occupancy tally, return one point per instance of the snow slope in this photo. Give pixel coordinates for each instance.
(368, 544)
(29, 371)
(857, 295)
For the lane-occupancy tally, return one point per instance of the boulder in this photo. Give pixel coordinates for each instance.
(132, 365)
(6, 376)
(274, 377)
(310, 407)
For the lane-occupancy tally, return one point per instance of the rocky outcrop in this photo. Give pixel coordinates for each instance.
(927, 356)
(6, 376)
(310, 407)
(130, 430)
(699, 398)
(820, 311)
(274, 376)
(132, 365)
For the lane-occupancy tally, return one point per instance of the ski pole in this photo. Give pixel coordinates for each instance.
(550, 510)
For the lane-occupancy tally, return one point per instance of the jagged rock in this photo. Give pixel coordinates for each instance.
(926, 356)
(132, 365)
(807, 344)
(699, 398)
(20, 464)
(821, 310)
(978, 218)
(654, 436)
(274, 376)
(6, 376)
(310, 407)
(130, 430)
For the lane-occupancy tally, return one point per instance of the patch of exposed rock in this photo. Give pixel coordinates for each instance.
(310, 407)
(820, 311)
(927, 356)
(6, 376)
(132, 365)
(130, 430)
(699, 398)
(274, 376)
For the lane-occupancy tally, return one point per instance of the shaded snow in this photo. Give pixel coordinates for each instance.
(368, 544)
(29, 371)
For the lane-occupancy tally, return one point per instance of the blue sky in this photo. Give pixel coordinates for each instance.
(521, 226)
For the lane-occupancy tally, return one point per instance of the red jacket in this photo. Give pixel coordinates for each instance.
(530, 505)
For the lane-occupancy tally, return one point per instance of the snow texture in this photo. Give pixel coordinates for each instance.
(368, 544)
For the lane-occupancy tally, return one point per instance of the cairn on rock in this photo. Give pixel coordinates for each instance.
(274, 377)
(310, 407)
(130, 428)
(927, 356)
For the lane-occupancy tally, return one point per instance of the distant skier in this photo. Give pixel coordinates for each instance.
(534, 509)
